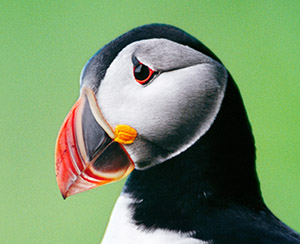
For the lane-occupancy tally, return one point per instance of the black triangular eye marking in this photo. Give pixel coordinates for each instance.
(135, 61)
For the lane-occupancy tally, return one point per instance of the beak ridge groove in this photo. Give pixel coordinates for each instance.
(88, 154)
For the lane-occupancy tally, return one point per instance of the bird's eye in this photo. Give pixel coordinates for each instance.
(142, 73)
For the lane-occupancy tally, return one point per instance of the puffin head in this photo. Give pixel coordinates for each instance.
(145, 98)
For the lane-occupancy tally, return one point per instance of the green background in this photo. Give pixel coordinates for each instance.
(43, 47)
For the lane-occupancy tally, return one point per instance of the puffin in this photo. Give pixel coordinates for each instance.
(158, 106)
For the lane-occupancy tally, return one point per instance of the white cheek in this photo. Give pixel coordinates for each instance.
(172, 112)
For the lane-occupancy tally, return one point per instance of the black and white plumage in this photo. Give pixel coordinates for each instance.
(195, 179)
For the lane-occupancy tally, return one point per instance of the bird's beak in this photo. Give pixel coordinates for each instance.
(89, 152)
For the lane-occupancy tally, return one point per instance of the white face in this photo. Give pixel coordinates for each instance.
(173, 110)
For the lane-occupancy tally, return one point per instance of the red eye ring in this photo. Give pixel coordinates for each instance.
(142, 73)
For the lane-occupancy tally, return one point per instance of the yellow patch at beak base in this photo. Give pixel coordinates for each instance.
(125, 134)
